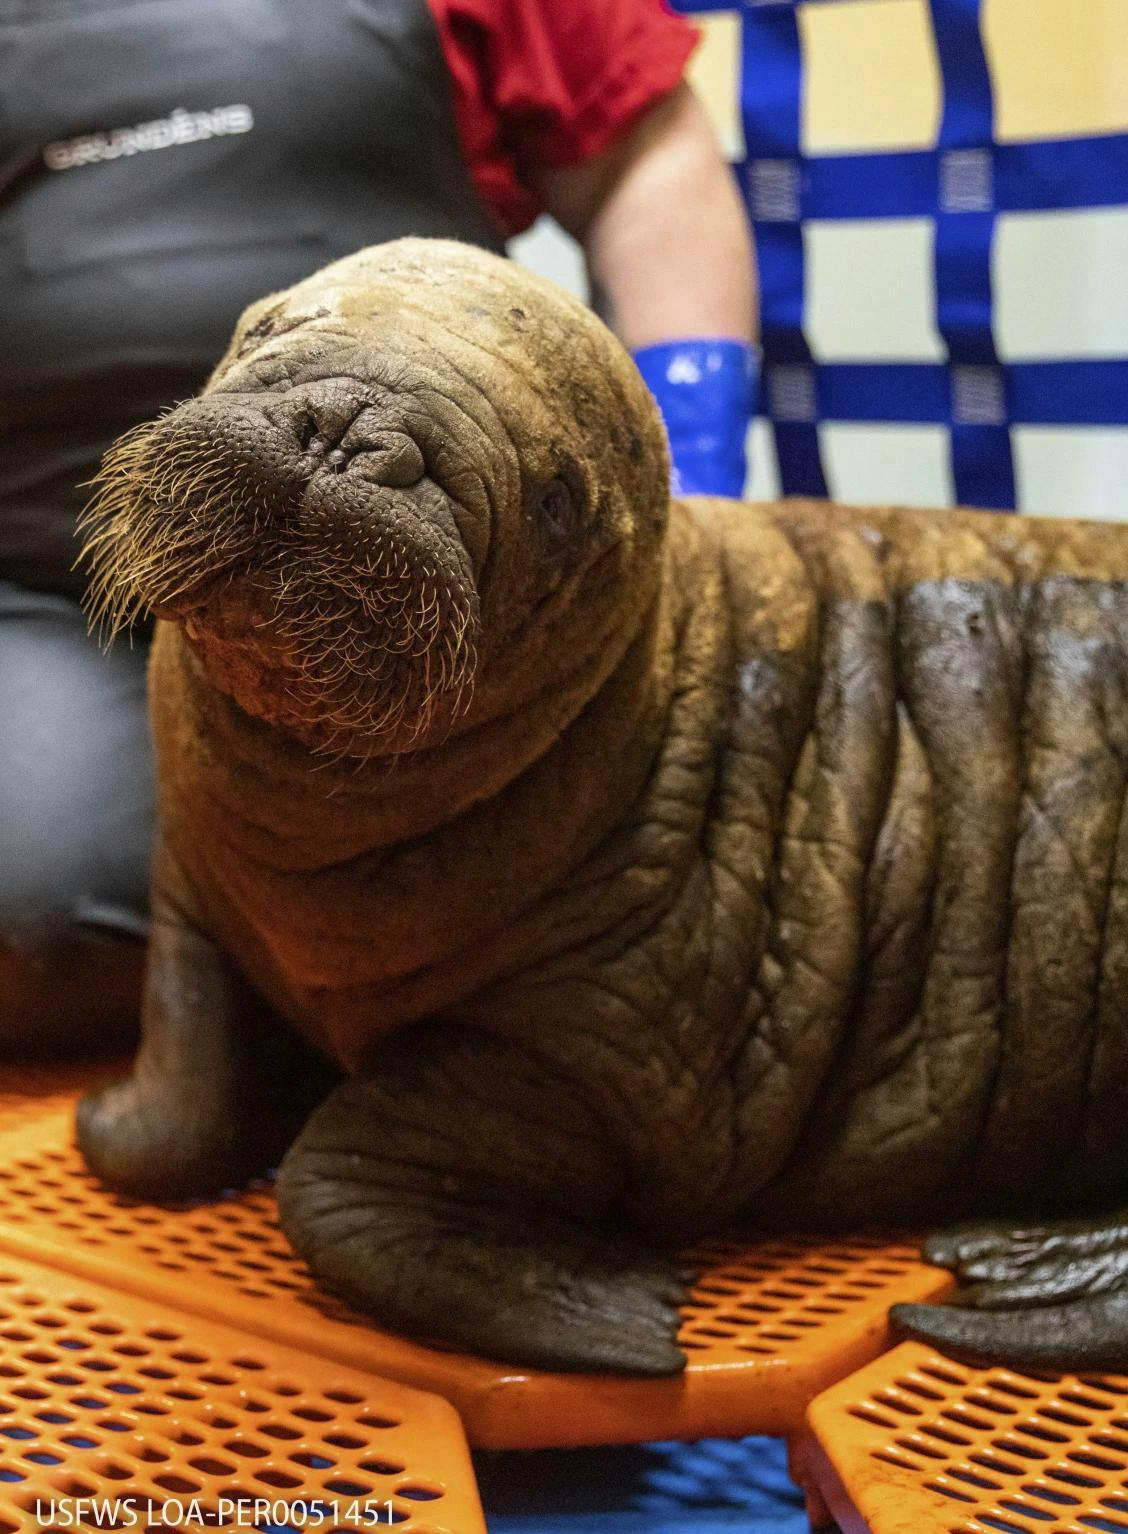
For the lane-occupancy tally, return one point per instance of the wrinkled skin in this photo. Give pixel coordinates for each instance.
(639, 868)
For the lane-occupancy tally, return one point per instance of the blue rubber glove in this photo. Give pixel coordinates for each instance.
(706, 391)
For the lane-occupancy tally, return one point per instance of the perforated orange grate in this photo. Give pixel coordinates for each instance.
(915, 1444)
(109, 1398)
(769, 1326)
(31, 1093)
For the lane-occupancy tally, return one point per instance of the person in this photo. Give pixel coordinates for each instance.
(164, 164)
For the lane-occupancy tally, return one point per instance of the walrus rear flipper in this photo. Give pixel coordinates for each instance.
(462, 1194)
(1045, 1297)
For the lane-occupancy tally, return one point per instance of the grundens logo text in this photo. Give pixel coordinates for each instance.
(179, 127)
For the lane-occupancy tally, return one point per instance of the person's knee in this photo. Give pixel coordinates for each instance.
(75, 835)
(73, 920)
(56, 887)
(72, 934)
(76, 816)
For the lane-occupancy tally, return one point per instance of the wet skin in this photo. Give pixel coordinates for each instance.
(641, 867)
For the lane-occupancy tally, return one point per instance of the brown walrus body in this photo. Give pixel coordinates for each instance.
(644, 867)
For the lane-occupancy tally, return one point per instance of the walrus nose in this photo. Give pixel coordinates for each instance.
(319, 414)
(335, 457)
(337, 425)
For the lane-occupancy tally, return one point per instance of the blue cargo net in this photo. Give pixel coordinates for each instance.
(961, 185)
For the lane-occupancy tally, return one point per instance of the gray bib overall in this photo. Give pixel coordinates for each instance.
(162, 164)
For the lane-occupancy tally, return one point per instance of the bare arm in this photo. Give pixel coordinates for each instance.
(661, 222)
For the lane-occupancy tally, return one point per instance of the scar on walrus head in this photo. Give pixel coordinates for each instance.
(388, 474)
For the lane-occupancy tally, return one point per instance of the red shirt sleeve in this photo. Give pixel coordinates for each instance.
(547, 83)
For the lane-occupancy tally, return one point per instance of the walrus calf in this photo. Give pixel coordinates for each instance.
(631, 868)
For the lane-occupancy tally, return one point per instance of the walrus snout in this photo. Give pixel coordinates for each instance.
(208, 447)
(337, 425)
(247, 464)
(322, 574)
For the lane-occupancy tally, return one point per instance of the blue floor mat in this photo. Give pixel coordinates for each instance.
(660, 1488)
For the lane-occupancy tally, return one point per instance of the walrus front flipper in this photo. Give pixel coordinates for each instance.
(462, 1194)
(1045, 1296)
(207, 1106)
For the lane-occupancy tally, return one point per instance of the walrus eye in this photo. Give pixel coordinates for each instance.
(557, 512)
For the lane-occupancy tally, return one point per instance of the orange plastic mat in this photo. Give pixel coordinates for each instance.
(770, 1324)
(112, 1399)
(29, 1093)
(916, 1444)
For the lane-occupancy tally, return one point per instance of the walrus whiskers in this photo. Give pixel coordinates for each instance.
(160, 529)
(140, 551)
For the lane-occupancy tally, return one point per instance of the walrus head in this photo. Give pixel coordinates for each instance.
(418, 482)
